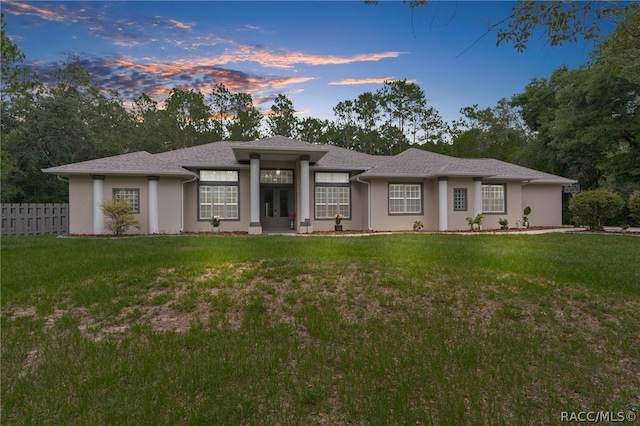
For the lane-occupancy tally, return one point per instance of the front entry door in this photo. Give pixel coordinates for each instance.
(275, 204)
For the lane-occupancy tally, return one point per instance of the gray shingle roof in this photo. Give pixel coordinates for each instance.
(425, 164)
(342, 158)
(412, 163)
(135, 163)
(215, 154)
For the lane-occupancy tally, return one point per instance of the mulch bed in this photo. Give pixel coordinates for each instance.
(360, 232)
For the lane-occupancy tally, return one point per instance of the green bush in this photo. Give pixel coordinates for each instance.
(594, 208)
(121, 215)
(634, 206)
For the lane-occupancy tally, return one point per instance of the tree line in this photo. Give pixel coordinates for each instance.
(580, 123)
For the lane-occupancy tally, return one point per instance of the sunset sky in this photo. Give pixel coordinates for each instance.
(315, 53)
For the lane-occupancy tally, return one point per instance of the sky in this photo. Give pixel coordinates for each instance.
(317, 54)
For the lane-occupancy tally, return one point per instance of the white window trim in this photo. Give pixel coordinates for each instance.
(487, 202)
(230, 180)
(405, 198)
(224, 206)
(339, 207)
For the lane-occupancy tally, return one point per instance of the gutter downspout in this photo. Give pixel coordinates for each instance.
(182, 202)
(62, 179)
(368, 203)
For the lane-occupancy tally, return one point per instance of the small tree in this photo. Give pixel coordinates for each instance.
(634, 206)
(594, 208)
(121, 215)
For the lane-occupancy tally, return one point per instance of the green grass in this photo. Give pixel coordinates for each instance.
(384, 329)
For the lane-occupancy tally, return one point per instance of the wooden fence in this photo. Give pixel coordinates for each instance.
(34, 219)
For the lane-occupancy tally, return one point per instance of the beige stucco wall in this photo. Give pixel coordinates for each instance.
(381, 220)
(457, 220)
(513, 210)
(545, 202)
(80, 205)
(192, 223)
(190, 200)
(359, 203)
(169, 209)
(141, 183)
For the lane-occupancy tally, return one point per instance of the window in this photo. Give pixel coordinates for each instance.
(219, 175)
(493, 199)
(332, 200)
(131, 195)
(218, 194)
(219, 201)
(459, 199)
(405, 198)
(333, 195)
(276, 176)
(332, 177)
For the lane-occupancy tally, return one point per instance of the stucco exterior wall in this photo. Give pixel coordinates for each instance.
(545, 202)
(431, 205)
(80, 205)
(192, 222)
(169, 208)
(514, 207)
(457, 220)
(359, 205)
(381, 220)
(142, 184)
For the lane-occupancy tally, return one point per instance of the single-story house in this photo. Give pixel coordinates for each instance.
(279, 184)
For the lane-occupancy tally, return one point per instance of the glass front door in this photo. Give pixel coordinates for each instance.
(276, 202)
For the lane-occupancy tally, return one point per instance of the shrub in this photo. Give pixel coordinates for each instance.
(634, 206)
(525, 215)
(121, 215)
(594, 208)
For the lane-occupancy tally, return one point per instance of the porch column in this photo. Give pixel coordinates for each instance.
(153, 204)
(255, 227)
(443, 215)
(98, 196)
(477, 196)
(304, 195)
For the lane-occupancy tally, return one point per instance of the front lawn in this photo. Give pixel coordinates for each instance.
(384, 329)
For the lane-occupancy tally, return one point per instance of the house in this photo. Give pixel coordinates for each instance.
(257, 186)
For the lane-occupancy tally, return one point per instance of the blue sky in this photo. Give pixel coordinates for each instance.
(315, 53)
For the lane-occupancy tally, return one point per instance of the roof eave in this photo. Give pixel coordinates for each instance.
(561, 181)
(368, 175)
(52, 171)
(338, 168)
(244, 152)
(209, 166)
